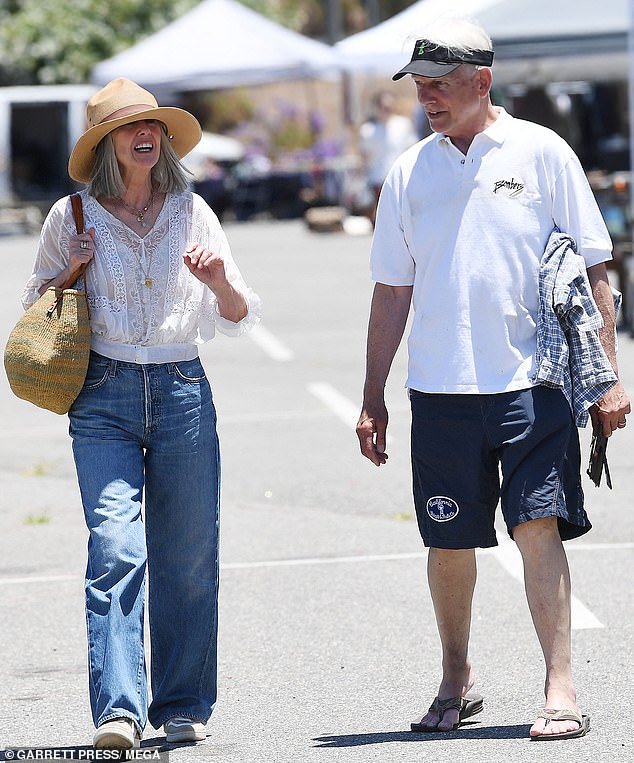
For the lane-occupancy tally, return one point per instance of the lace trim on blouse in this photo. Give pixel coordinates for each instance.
(178, 308)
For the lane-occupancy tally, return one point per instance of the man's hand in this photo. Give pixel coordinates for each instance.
(371, 431)
(388, 316)
(610, 412)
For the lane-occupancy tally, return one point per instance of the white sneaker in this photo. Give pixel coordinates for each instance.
(117, 734)
(181, 729)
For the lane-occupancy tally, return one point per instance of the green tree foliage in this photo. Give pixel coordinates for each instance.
(59, 41)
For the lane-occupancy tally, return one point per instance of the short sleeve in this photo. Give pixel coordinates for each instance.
(391, 262)
(575, 211)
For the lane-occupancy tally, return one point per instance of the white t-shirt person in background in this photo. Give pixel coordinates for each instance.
(382, 140)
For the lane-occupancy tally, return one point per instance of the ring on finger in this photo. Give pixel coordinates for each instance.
(83, 245)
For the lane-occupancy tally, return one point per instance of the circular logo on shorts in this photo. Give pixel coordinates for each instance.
(442, 509)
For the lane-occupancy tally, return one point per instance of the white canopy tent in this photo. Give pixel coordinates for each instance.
(542, 41)
(219, 44)
(386, 47)
(535, 41)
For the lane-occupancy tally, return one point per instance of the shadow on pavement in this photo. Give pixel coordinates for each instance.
(518, 731)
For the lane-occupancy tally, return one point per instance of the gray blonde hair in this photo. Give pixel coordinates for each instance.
(168, 174)
(458, 33)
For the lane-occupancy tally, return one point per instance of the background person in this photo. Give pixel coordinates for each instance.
(382, 139)
(213, 186)
(463, 222)
(161, 280)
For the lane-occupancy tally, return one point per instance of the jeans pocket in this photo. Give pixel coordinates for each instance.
(97, 375)
(190, 371)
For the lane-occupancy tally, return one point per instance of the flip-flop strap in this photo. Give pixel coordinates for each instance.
(440, 706)
(561, 715)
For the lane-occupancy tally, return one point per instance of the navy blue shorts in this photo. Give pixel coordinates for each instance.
(471, 451)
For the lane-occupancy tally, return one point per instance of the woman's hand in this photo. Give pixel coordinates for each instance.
(206, 266)
(209, 268)
(81, 248)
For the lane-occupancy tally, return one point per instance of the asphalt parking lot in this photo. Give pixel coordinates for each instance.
(328, 645)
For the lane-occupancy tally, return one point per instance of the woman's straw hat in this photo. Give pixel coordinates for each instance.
(119, 103)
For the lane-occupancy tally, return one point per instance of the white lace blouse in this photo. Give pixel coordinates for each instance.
(176, 311)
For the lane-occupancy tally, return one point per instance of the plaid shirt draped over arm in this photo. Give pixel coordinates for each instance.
(569, 353)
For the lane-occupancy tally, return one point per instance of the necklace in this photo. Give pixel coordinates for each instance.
(140, 218)
(140, 213)
(145, 270)
(148, 282)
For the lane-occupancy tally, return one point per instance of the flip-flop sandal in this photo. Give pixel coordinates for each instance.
(563, 715)
(467, 706)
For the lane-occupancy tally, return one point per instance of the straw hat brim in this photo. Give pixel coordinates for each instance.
(182, 125)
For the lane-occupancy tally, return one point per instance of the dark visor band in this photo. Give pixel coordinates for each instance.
(424, 50)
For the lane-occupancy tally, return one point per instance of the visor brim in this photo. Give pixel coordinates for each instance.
(426, 69)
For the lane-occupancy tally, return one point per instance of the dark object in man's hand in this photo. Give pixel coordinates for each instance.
(599, 460)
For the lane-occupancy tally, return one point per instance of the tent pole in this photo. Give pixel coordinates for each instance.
(372, 9)
(335, 24)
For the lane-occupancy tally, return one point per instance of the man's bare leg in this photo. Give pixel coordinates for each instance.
(452, 575)
(547, 582)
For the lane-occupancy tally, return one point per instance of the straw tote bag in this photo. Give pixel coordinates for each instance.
(46, 356)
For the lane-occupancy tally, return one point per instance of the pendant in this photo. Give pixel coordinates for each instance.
(149, 283)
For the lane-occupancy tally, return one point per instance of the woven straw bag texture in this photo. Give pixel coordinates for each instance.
(46, 356)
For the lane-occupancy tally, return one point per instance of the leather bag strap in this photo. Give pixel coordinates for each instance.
(78, 212)
(78, 216)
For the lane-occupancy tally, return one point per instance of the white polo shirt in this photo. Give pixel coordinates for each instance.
(468, 232)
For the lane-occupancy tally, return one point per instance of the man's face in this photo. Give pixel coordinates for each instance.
(453, 103)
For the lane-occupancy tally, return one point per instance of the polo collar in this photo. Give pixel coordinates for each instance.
(496, 132)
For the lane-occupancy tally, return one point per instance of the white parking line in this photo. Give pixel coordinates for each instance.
(339, 404)
(509, 557)
(323, 560)
(270, 344)
(343, 408)
(506, 553)
(41, 579)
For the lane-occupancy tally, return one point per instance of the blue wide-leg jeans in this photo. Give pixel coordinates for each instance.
(148, 466)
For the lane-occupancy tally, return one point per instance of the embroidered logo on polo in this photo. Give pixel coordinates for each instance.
(509, 188)
(442, 509)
